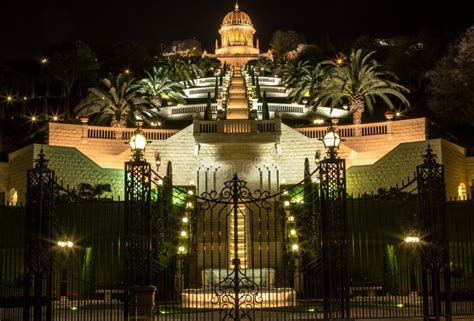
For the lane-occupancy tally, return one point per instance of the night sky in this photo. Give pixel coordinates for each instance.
(27, 28)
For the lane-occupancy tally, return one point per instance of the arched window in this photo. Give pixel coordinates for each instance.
(462, 192)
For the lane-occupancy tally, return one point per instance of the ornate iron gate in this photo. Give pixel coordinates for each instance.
(233, 259)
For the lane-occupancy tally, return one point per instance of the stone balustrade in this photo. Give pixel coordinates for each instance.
(201, 92)
(284, 108)
(237, 126)
(235, 131)
(269, 81)
(371, 129)
(99, 132)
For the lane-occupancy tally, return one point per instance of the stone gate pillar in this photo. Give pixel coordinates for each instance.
(434, 247)
(38, 247)
(333, 231)
(138, 230)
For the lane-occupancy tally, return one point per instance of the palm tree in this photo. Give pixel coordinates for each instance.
(118, 102)
(181, 70)
(310, 83)
(358, 83)
(208, 66)
(158, 87)
(291, 71)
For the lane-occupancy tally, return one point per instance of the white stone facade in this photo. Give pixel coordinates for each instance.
(265, 153)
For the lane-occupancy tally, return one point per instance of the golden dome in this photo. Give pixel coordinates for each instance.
(236, 17)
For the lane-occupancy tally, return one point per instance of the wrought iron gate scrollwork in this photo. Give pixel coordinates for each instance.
(237, 294)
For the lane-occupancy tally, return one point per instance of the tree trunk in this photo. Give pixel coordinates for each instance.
(357, 107)
(357, 117)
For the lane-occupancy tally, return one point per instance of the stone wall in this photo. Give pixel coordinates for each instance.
(4, 169)
(245, 158)
(470, 174)
(70, 165)
(20, 161)
(454, 160)
(399, 164)
(373, 162)
(104, 152)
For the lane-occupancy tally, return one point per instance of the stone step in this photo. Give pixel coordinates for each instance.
(237, 113)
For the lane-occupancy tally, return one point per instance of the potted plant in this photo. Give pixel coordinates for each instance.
(389, 115)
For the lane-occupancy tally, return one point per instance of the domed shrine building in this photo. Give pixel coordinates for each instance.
(237, 44)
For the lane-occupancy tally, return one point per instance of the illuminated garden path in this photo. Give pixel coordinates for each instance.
(237, 107)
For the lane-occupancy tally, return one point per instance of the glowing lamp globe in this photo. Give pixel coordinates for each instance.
(332, 139)
(138, 142)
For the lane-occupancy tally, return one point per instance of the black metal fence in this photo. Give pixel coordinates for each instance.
(384, 270)
(87, 273)
(214, 254)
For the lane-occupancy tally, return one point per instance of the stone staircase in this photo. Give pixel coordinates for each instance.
(260, 237)
(237, 107)
(241, 239)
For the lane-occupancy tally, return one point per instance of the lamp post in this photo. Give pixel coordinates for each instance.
(331, 142)
(138, 231)
(333, 229)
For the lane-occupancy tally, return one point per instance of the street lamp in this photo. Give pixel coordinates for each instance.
(331, 142)
(138, 144)
(411, 239)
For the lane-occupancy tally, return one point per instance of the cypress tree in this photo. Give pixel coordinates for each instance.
(265, 109)
(208, 111)
(216, 89)
(87, 274)
(258, 91)
(390, 272)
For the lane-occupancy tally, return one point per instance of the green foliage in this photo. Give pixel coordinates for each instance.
(291, 71)
(181, 70)
(208, 66)
(208, 111)
(358, 83)
(265, 109)
(70, 63)
(263, 66)
(179, 198)
(309, 81)
(284, 41)
(258, 90)
(87, 274)
(118, 101)
(451, 84)
(89, 191)
(159, 88)
(216, 89)
(391, 273)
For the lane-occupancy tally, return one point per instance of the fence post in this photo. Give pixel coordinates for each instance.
(333, 237)
(38, 247)
(138, 238)
(434, 247)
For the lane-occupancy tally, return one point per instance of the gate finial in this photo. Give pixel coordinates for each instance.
(41, 161)
(429, 157)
